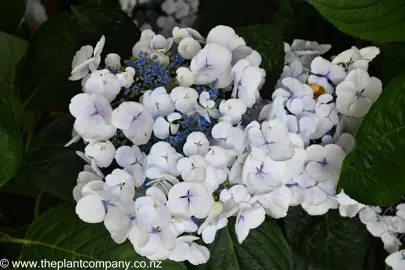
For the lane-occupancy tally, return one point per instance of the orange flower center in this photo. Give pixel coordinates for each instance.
(318, 90)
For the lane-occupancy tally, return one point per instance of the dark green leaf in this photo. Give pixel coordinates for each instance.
(12, 53)
(268, 41)
(265, 248)
(10, 142)
(375, 20)
(374, 172)
(234, 13)
(46, 84)
(11, 14)
(49, 165)
(329, 241)
(60, 235)
(389, 64)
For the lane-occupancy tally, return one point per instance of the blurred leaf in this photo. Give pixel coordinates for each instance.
(329, 241)
(234, 13)
(11, 14)
(61, 235)
(375, 20)
(49, 165)
(46, 85)
(373, 173)
(268, 41)
(264, 248)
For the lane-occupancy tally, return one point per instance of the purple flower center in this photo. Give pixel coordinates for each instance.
(241, 218)
(259, 171)
(187, 196)
(324, 163)
(156, 230)
(132, 218)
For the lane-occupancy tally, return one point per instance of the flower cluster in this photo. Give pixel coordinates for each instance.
(166, 127)
(173, 130)
(161, 15)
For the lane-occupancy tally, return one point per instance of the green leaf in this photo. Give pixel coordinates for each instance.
(46, 85)
(11, 14)
(12, 54)
(375, 20)
(374, 172)
(234, 13)
(329, 241)
(264, 248)
(10, 142)
(60, 235)
(268, 41)
(49, 165)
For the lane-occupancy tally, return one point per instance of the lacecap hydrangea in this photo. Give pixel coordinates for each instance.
(163, 132)
(173, 129)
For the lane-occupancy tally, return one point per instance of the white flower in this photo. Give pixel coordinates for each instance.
(225, 36)
(181, 225)
(229, 137)
(113, 60)
(304, 51)
(192, 169)
(151, 209)
(83, 178)
(119, 184)
(160, 44)
(247, 79)
(127, 6)
(134, 120)
(182, 9)
(318, 202)
(189, 47)
(169, 6)
(347, 206)
(162, 128)
(180, 33)
(160, 179)
(303, 125)
(163, 156)
(396, 260)
(166, 23)
(357, 93)
(207, 108)
(94, 206)
(196, 144)
(185, 77)
(235, 175)
(190, 199)
(187, 250)
(294, 70)
(213, 223)
(134, 162)
(298, 97)
(249, 217)
(272, 138)
(212, 63)
(158, 102)
(325, 73)
(184, 98)
(93, 117)
(162, 242)
(324, 162)
(326, 114)
(277, 202)
(217, 156)
(391, 242)
(122, 224)
(102, 82)
(83, 62)
(261, 173)
(103, 153)
(255, 59)
(356, 59)
(233, 108)
(215, 176)
(126, 78)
